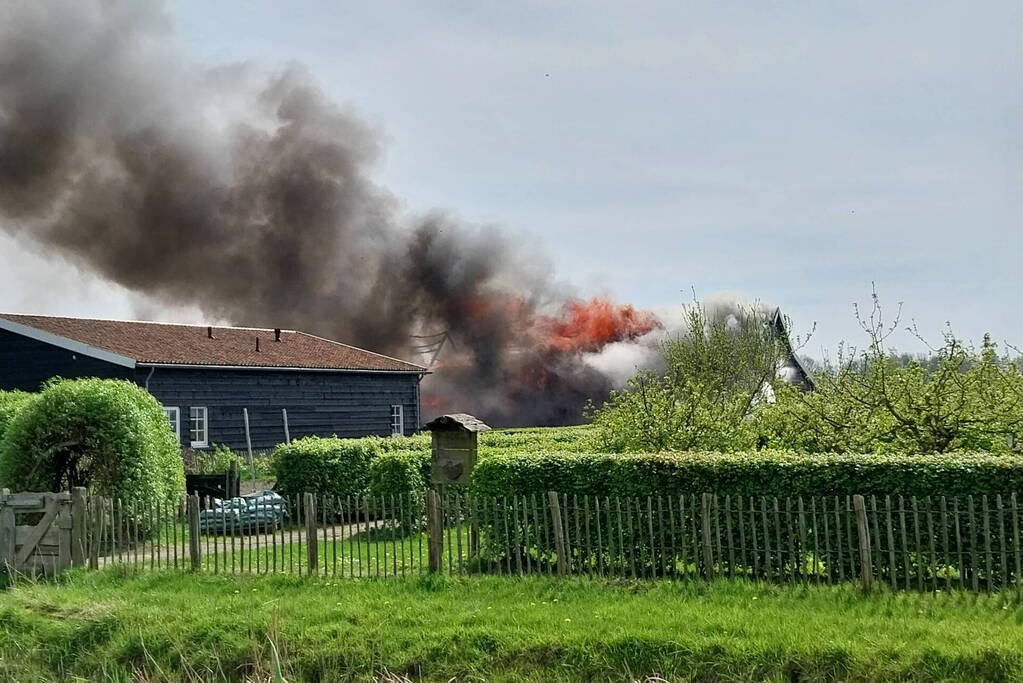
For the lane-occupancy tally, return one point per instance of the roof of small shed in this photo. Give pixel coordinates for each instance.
(455, 421)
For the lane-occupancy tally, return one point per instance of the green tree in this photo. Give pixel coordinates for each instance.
(715, 373)
(957, 397)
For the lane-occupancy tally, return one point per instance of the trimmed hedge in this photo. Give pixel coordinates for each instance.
(11, 402)
(762, 473)
(109, 435)
(399, 474)
(324, 466)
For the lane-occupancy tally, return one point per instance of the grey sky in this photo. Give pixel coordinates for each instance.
(789, 151)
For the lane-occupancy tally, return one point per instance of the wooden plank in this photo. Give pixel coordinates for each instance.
(729, 536)
(434, 531)
(8, 535)
(78, 526)
(890, 537)
(708, 556)
(559, 532)
(974, 578)
(863, 536)
(988, 559)
(753, 534)
(29, 541)
(943, 522)
(931, 543)
(194, 552)
(960, 561)
(802, 537)
(1015, 538)
(1003, 579)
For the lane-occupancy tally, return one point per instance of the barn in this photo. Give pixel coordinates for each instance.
(211, 379)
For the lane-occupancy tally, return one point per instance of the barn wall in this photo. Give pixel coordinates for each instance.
(26, 363)
(348, 404)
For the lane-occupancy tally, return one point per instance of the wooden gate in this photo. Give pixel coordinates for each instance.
(35, 532)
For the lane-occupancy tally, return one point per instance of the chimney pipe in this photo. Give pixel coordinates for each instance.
(257, 344)
(277, 334)
(209, 333)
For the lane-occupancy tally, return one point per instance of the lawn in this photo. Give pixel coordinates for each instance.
(110, 625)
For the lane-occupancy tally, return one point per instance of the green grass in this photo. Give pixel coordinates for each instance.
(166, 626)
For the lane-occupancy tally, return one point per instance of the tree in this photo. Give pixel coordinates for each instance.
(715, 373)
(957, 397)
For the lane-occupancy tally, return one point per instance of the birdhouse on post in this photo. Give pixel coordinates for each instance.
(454, 447)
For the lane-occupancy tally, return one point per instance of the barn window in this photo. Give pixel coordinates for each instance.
(198, 427)
(397, 421)
(173, 414)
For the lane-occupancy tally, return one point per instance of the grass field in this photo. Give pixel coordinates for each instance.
(163, 626)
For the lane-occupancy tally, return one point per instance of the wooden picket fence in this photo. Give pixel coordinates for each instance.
(928, 543)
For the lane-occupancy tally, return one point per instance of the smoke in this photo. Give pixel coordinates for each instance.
(248, 195)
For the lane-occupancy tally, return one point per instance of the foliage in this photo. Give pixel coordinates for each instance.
(714, 374)
(758, 473)
(10, 403)
(399, 473)
(874, 400)
(108, 435)
(324, 466)
(493, 628)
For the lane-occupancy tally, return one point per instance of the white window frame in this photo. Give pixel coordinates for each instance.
(205, 431)
(397, 420)
(176, 421)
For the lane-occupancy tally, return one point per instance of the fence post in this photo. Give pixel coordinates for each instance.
(95, 516)
(194, 547)
(863, 533)
(312, 547)
(78, 544)
(8, 531)
(708, 551)
(559, 532)
(434, 532)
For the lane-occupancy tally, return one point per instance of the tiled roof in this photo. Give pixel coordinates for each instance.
(159, 343)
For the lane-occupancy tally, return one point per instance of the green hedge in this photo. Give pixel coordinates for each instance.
(400, 478)
(324, 466)
(109, 435)
(763, 473)
(11, 402)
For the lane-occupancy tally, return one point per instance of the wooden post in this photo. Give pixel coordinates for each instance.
(64, 524)
(708, 554)
(559, 532)
(248, 443)
(96, 517)
(287, 432)
(194, 548)
(863, 532)
(78, 544)
(311, 546)
(8, 531)
(434, 531)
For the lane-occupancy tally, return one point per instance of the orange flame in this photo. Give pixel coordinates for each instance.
(590, 325)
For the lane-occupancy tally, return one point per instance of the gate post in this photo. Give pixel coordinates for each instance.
(78, 526)
(7, 533)
(194, 547)
(559, 532)
(434, 531)
(311, 541)
(863, 534)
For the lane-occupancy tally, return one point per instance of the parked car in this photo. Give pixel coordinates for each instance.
(253, 512)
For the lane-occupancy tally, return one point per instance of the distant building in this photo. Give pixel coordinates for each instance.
(790, 370)
(206, 376)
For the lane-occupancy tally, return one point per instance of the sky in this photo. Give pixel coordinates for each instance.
(795, 153)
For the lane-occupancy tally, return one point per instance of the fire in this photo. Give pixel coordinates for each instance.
(590, 325)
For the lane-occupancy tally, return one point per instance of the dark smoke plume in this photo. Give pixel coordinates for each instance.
(247, 195)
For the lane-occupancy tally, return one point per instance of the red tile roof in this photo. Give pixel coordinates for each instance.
(158, 343)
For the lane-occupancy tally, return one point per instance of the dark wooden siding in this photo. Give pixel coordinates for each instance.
(26, 363)
(348, 404)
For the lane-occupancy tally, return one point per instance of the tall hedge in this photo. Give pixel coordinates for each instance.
(763, 473)
(109, 435)
(324, 466)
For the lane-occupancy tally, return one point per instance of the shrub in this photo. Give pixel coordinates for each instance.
(108, 435)
(324, 466)
(10, 403)
(763, 473)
